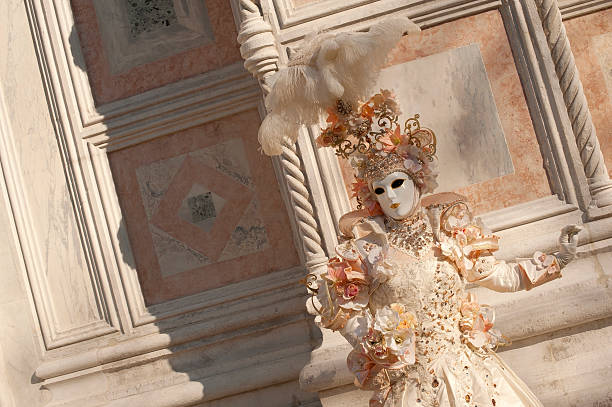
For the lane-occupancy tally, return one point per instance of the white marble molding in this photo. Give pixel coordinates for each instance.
(191, 29)
(221, 347)
(600, 185)
(524, 228)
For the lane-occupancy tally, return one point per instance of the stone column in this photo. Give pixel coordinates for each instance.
(259, 50)
(600, 185)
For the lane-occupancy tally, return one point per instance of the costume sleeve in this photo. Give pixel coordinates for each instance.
(344, 291)
(523, 274)
(496, 274)
(467, 243)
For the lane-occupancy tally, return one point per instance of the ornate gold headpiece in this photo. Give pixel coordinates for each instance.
(372, 136)
(370, 128)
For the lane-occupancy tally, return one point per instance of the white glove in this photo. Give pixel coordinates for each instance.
(568, 241)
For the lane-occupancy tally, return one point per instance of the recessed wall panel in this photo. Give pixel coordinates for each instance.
(202, 209)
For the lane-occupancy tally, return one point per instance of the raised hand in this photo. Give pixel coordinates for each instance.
(568, 241)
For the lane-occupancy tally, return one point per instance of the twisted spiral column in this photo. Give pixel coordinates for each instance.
(309, 229)
(257, 44)
(258, 48)
(591, 156)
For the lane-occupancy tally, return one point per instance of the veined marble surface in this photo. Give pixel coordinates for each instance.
(603, 44)
(200, 39)
(202, 207)
(591, 41)
(529, 180)
(452, 94)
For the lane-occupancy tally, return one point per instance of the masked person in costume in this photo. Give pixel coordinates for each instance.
(396, 288)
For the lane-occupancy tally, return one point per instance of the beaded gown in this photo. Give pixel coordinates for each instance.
(398, 296)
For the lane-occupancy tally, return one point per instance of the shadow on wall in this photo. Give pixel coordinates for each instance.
(203, 349)
(225, 362)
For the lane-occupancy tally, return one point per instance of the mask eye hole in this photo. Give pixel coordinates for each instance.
(379, 191)
(397, 183)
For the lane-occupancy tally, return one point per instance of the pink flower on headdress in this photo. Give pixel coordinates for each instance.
(385, 144)
(407, 150)
(377, 100)
(396, 136)
(324, 140)
(412, 165)
(360, 188)
(389, 141)
(332, 117)
(387, 98)
(362, 192)
(367, 111)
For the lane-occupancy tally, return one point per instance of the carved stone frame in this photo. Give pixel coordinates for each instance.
(124, 329)
(125, 332)
(525, 227)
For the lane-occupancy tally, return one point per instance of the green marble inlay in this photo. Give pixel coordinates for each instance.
(202, 207)
(150, 15)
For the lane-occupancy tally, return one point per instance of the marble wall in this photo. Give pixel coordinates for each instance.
(474, 116)
(300, 3)
(591, 41)
(132, 47)
(202, 209)
(451, 93)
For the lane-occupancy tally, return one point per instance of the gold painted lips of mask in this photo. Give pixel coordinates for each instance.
(395, 205)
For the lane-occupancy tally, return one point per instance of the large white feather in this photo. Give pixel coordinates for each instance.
(328, 67)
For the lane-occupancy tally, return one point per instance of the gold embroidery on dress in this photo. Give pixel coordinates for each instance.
(413, 236)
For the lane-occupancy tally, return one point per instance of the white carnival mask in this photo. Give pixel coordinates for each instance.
(397, 195)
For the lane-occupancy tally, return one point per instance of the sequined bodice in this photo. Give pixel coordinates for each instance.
(432, 289)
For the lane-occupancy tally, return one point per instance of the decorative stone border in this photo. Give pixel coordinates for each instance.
(600, 185)
(567, 157)
(259, 49)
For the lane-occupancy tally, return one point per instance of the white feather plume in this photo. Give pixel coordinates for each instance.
(327, 68)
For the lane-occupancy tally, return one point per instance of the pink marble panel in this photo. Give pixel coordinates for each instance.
(210, 243)
(107, 87)
(529, 181)
(591, 41)
(176, 255)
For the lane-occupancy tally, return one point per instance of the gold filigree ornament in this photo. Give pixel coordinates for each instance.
(372, 137)
(374, 128)
(310, 281)
(422, 138)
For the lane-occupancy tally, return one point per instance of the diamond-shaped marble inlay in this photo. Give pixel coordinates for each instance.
(175, 257)
(170, 217)
(168, 187)
(149, 15)
(188, 200)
